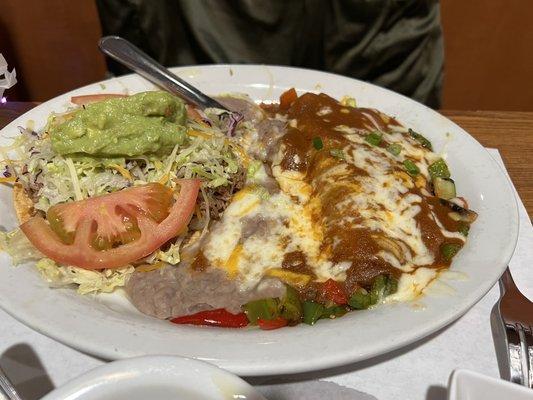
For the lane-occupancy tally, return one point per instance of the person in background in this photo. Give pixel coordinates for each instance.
(396, 44)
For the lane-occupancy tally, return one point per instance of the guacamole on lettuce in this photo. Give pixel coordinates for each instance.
(145, 123)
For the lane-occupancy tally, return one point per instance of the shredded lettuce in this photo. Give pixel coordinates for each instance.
(21, 250)
(88, 281)
(171, 256)
(55, 179)
(52, 179)
(17, 245)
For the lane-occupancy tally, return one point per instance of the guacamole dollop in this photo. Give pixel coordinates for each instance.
(145, 123)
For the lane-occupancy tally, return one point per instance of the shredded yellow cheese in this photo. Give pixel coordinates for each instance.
(420, 182)
(232, 264)
(11, 179)
(149, 267)
(248, 208)
(123, 171)
(243, 192)
(291, 278)
(195, 133)
(164, 179)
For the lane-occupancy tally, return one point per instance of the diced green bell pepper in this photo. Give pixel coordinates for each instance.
(374, 138)
(261, 309)
(411, 168)
(421, 139)
(312, 312)
(394, 148)
(291, 307)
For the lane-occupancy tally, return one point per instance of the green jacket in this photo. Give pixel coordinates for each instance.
(392, 43)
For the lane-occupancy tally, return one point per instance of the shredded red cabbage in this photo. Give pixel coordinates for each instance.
(233, 119)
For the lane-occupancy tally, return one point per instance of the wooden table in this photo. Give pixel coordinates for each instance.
(509, 132)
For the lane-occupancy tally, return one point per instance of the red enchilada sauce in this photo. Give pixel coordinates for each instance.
(313, 116)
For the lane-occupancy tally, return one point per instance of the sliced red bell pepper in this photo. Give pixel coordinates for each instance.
(334, 292)
(219, 317)
(287, 98)
(270, 324)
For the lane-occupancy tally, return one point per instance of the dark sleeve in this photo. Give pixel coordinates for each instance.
(394, 44)
(185, 32)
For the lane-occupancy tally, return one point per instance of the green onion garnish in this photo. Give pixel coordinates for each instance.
(421, 139)
(394, 149)
(374, 138)
(317, 143)
(411, 168)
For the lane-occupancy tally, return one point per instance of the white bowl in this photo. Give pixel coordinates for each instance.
(469, 385)
(156, 378)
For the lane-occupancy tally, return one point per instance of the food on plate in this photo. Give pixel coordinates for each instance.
(268, 215)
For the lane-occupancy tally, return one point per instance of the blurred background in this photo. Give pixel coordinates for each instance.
(488, 61)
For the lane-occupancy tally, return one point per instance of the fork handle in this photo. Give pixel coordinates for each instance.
(138, 61)
(7, 388)
(507, 280)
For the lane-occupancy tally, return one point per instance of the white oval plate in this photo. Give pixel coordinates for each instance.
(109, 327)
(156, 378)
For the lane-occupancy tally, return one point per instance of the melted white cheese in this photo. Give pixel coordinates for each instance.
(413, 284)
(290, 229)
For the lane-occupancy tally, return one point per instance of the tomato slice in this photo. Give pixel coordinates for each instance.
(94, 98)
(219, 317)
(333, 291)
(271, 324)
(115, 214)
(113, 230)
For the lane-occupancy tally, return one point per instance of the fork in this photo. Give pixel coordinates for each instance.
(516, 313)
(7, 388)
(135, 59)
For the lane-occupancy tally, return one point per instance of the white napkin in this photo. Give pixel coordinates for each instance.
(10, 78)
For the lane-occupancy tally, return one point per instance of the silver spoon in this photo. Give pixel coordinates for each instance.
(7, 388)
(135, 59)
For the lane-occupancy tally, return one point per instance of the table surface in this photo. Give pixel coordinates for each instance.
(510, 132)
